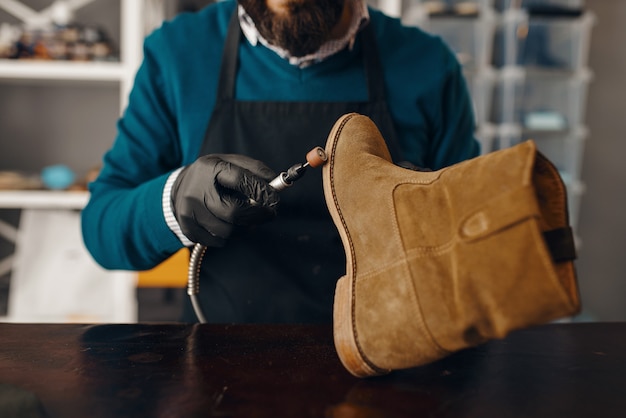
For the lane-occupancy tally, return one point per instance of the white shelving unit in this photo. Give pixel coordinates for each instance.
(89, 89)
(136, 18)
(43, 199)
(133, 27)
(61, 71)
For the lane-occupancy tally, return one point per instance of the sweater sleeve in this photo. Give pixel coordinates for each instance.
(454, 133)
(123, 224)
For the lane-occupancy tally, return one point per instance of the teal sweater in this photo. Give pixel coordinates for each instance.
(174, 94)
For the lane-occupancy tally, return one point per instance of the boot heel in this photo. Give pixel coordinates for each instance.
(345, 342)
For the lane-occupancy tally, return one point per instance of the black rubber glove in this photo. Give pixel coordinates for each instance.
(219, 191)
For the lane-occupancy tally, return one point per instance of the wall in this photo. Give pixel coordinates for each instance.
(602, 258)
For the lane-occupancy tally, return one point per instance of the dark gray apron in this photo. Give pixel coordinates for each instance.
(284, 270)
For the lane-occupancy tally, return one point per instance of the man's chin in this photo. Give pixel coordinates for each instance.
(301, 29)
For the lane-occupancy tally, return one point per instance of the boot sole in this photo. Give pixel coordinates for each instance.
(344, 327)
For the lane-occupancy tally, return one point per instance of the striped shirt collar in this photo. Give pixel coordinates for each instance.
(360, 17)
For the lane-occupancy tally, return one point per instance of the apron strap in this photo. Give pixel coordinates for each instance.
(373, 69)
(228, 70)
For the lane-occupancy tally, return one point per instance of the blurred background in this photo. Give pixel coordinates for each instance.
(550, 70)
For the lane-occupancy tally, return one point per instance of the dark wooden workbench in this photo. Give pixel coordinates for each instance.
(178, 370)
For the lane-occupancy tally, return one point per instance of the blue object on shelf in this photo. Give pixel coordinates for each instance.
(57, 177)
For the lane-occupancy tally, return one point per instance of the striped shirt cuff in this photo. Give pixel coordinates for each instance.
(168, 213)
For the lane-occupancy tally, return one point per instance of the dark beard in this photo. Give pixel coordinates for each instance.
(303, 30)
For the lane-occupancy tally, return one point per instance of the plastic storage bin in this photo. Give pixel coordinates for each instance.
(496, 137)
(554, 5)
(447, 7)
(481, 85)
(541, 101)
(486, 135)
(469, 36)
(564, 149)
(544, 42)
(575, 192)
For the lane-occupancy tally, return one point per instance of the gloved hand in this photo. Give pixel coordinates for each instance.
(219, 191)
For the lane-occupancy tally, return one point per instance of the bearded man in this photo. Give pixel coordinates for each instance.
(230, 94)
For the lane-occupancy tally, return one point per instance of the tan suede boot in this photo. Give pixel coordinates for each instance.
(443, 260)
